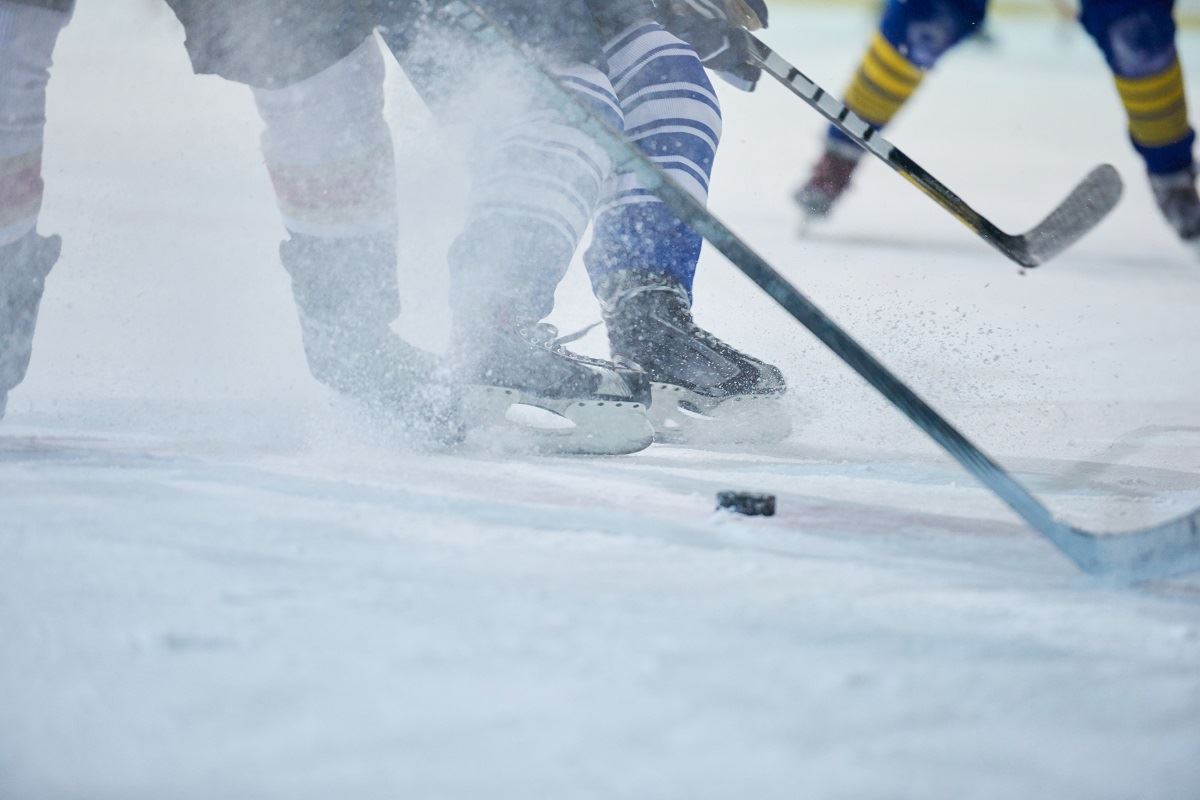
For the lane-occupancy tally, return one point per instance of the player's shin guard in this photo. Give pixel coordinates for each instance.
(24, 265)
(27, 38)
(672, 114)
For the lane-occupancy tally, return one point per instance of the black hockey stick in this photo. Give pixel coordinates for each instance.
(1155, 552)
(1086, 205)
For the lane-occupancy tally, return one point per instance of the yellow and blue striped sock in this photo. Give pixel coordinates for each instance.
(1158, 117)
(883, 83)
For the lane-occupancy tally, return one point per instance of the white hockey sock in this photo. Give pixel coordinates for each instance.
(27, 37)
(535, 185)
(329, 150)
(541, 168)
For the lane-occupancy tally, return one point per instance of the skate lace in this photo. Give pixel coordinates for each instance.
(579, 334)
(545, 335)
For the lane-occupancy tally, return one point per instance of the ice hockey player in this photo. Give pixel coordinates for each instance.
(1137, 38)
(28, 31)
(652, 85)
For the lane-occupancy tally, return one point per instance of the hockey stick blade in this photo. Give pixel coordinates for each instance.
(1083, 209)
(1148, 553)
(1142, 554)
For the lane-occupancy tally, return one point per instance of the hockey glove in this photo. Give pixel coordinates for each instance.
(717, 29)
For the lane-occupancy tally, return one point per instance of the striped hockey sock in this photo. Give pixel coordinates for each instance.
(882, 84)
(672, 115)
(536, 180)
(1158, 118)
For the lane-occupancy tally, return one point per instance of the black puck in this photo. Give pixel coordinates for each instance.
(752, 504)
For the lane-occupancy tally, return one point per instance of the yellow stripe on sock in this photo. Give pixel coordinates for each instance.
(1150, 105)
(1160, 129)
(869, 105)
(1156, 106)
(883, 83)
(880, 71)
(1151, 85)
(893, 58)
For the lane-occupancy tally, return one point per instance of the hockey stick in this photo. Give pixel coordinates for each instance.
(1086, 205)
(1154, 552)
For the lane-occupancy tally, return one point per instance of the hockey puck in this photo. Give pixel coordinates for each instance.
(751, 504)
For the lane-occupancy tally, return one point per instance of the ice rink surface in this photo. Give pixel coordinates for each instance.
(213, 583)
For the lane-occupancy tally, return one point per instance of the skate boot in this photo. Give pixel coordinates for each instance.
(347, 296)
(704, 390)
(526, 392)
(1179, 203)
(24, 265)
(829, 180)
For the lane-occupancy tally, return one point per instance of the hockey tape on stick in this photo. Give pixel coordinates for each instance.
(1088, 203)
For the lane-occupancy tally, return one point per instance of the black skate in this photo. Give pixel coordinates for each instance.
(346, 296)
(704, 390)
(533, 394)
(1179, 203)
(829, 180)
(24, 265)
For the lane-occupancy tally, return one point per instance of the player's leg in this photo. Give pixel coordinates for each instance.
(643, 259)
(535, 180)
(28, 32)
(329, 153)
(913, 35)
(1138, 41)
(317, 74)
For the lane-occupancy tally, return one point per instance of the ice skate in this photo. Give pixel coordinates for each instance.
(1179, 203)
(829, 181)
(704, 391)
(346, 298)
(24, 265)
(525, 392)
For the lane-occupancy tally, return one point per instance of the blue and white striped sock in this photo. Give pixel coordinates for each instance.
(672, 114)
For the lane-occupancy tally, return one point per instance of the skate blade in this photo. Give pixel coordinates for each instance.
(511, 421)
(681, 416)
